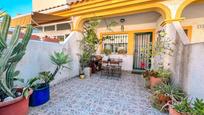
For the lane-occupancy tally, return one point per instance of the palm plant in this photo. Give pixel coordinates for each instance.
(85, 59)
(10, 54)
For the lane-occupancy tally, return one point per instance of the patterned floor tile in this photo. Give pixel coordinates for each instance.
(99, 95)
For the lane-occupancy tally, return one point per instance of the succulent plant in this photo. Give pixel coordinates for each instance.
(44, 78)
(175, 93)
(10, 54)
(184, 106)
(198, 107)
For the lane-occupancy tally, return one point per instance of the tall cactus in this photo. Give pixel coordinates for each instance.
(10, 54)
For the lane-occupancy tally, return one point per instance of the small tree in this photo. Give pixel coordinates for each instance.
(90, 42)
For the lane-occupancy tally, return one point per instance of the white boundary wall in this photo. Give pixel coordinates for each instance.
(37, 58)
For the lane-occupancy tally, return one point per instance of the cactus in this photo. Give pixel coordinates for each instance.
(10, 54)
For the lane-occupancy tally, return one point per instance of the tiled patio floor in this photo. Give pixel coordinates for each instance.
(98, 96)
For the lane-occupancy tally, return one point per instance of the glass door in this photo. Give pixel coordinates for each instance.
(142, 40)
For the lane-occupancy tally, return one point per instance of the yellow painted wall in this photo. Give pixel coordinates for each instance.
(144, 22)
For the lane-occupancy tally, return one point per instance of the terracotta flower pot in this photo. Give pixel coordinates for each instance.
(154, 81)
(18, 106)
(164, 98)
(173, 111)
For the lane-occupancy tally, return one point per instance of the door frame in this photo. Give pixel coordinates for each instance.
(152, 40)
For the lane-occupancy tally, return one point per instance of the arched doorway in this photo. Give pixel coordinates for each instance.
(193, 22)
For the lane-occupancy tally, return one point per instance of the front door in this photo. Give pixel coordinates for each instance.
(142, 40)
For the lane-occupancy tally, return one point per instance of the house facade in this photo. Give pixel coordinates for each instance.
(136, 25)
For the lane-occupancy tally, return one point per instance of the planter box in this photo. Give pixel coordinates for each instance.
(18, 106)
(40, 96)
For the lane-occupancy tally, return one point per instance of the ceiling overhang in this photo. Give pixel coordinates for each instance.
(36, 19)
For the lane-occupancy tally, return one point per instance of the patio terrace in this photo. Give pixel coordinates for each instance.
(99, 95)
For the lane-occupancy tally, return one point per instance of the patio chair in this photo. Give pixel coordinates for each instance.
(116, 71)
(116, 68)
(105, 70)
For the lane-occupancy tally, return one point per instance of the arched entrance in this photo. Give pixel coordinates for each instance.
(137, 36)
(124, 9)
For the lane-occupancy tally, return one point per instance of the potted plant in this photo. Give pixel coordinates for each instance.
(164, 93)
(182, 107)
(146, 75)
(13, 100)
(107, 52)
(89, 45)
(158, 49)
(186, 107)
(122, 51)
(163, 75)
(84, 62)
(40, 84)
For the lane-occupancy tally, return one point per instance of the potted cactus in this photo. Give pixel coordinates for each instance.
(40, 84)
(12, 100)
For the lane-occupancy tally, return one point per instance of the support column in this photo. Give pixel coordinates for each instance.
(77, 23)
(179, 39)
(72, 46)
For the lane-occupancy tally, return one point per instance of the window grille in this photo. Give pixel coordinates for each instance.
(64, 26)
(117, 43)
(49, 28)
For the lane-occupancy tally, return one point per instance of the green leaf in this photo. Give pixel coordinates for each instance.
(19, 79)
(26, 92)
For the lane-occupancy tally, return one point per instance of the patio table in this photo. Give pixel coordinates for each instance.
(112, 67)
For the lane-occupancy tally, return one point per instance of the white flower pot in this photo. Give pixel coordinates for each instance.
(82, 76)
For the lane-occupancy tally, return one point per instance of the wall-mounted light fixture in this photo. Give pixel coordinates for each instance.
(122, 21)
